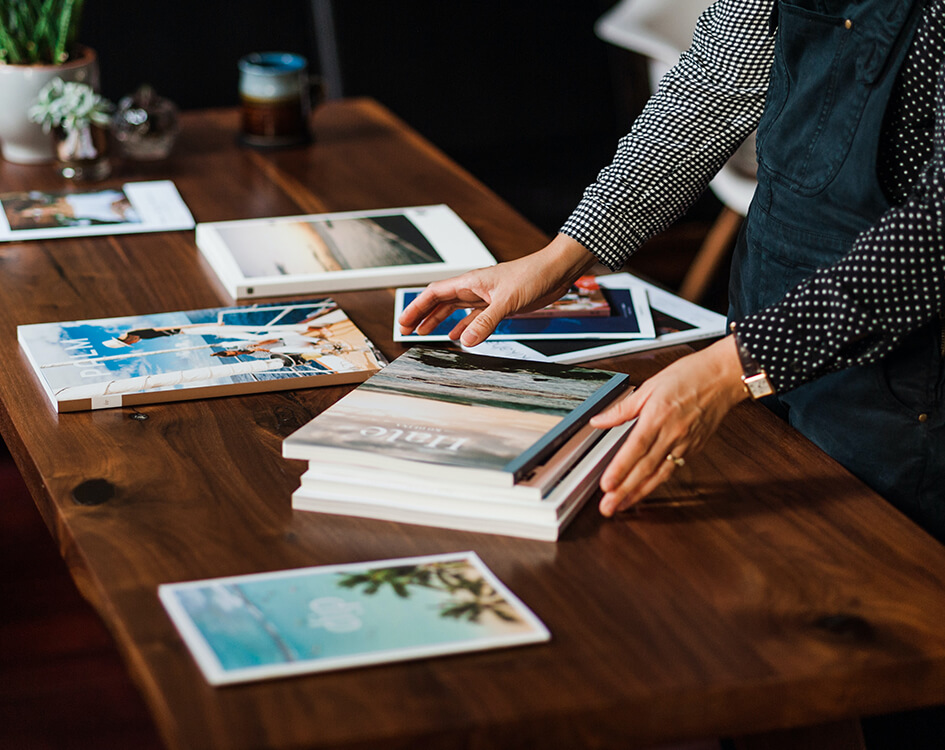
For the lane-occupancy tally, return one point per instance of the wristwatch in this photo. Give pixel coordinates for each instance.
(754, 378)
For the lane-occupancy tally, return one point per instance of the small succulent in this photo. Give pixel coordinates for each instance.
(69, 105)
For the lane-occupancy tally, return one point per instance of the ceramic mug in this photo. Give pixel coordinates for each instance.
(275, 99)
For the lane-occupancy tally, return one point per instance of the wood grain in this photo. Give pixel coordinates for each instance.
(763, 588)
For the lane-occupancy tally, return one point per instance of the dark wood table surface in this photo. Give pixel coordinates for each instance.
(763, 588)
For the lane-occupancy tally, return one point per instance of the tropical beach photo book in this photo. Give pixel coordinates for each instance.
(462, 507)
(457, 417)
(292, 622)
(174, 356)
(629, 318)
(132, 208)
(676, 321)
(342, 251)
(531, 488)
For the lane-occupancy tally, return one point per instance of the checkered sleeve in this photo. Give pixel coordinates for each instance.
(704, 108)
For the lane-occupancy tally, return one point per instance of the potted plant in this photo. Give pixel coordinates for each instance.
(37, 43)
(79, 118)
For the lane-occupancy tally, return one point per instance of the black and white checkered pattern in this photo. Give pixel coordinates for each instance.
(704, 108)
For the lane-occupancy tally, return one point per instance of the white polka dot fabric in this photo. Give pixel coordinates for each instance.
(893, 280)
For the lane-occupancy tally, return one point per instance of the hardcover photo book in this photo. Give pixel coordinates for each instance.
(454, 416)
(132, 208)
(335, 252)
(292, 622)
(675, 320)
(629, 318)
(112, 362)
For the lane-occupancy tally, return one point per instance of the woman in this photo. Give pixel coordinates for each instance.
(838, 279)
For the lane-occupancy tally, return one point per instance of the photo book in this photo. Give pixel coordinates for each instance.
(173, 356)
(462, 506)
(336, 252)
(292, 622)
(629, 318)
(455, 417)
(584, 298)
(532, 487)
(676, 321)
(132, 208)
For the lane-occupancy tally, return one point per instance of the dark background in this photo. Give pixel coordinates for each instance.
(519, 92)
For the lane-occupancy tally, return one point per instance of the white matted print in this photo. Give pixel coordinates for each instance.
(283, 623)
(132, 208)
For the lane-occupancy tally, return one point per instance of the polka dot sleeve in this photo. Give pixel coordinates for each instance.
(859, 309)
(705, 107)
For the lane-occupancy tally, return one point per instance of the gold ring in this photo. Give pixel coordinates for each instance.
(677, 460)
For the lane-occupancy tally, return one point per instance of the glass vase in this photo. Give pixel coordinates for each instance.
(82, 152)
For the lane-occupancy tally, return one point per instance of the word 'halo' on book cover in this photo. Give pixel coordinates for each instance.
(457, 416)
(291, 622)
(111, 362)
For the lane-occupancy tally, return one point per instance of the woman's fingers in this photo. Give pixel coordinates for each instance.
(676, 411)
(497, 291)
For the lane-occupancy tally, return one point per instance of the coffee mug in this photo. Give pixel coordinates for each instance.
(275, 99)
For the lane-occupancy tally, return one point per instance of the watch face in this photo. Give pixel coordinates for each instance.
(758, 385)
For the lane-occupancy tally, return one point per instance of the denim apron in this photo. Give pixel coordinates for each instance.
(835, 66)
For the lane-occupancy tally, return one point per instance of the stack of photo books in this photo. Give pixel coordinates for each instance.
(458, 440)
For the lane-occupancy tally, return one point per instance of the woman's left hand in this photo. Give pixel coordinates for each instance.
(677, 410)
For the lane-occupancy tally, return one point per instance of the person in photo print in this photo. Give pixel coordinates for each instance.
(837, 287)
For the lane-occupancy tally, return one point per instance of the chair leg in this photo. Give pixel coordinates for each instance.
(714, 248)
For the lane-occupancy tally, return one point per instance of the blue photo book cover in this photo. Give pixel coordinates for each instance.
(292, 622)
(629, 318)
(111, 362)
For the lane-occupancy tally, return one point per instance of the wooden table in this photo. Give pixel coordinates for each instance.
(764, 588)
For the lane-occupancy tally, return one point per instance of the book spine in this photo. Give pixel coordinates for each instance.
(556, 437)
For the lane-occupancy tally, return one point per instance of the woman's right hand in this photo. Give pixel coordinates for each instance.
(495, 292)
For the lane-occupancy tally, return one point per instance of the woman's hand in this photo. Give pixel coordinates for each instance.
(677, 410)
(496, 292)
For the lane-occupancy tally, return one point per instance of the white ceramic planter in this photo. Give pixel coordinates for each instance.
(22, 141)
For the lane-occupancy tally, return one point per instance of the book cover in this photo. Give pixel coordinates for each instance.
(111, 362)
(457, 416)
(132, 208)
(341, 251)
(676, 321)
(292, 622)
(630, 318)
(531, 488)
(584, 298)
